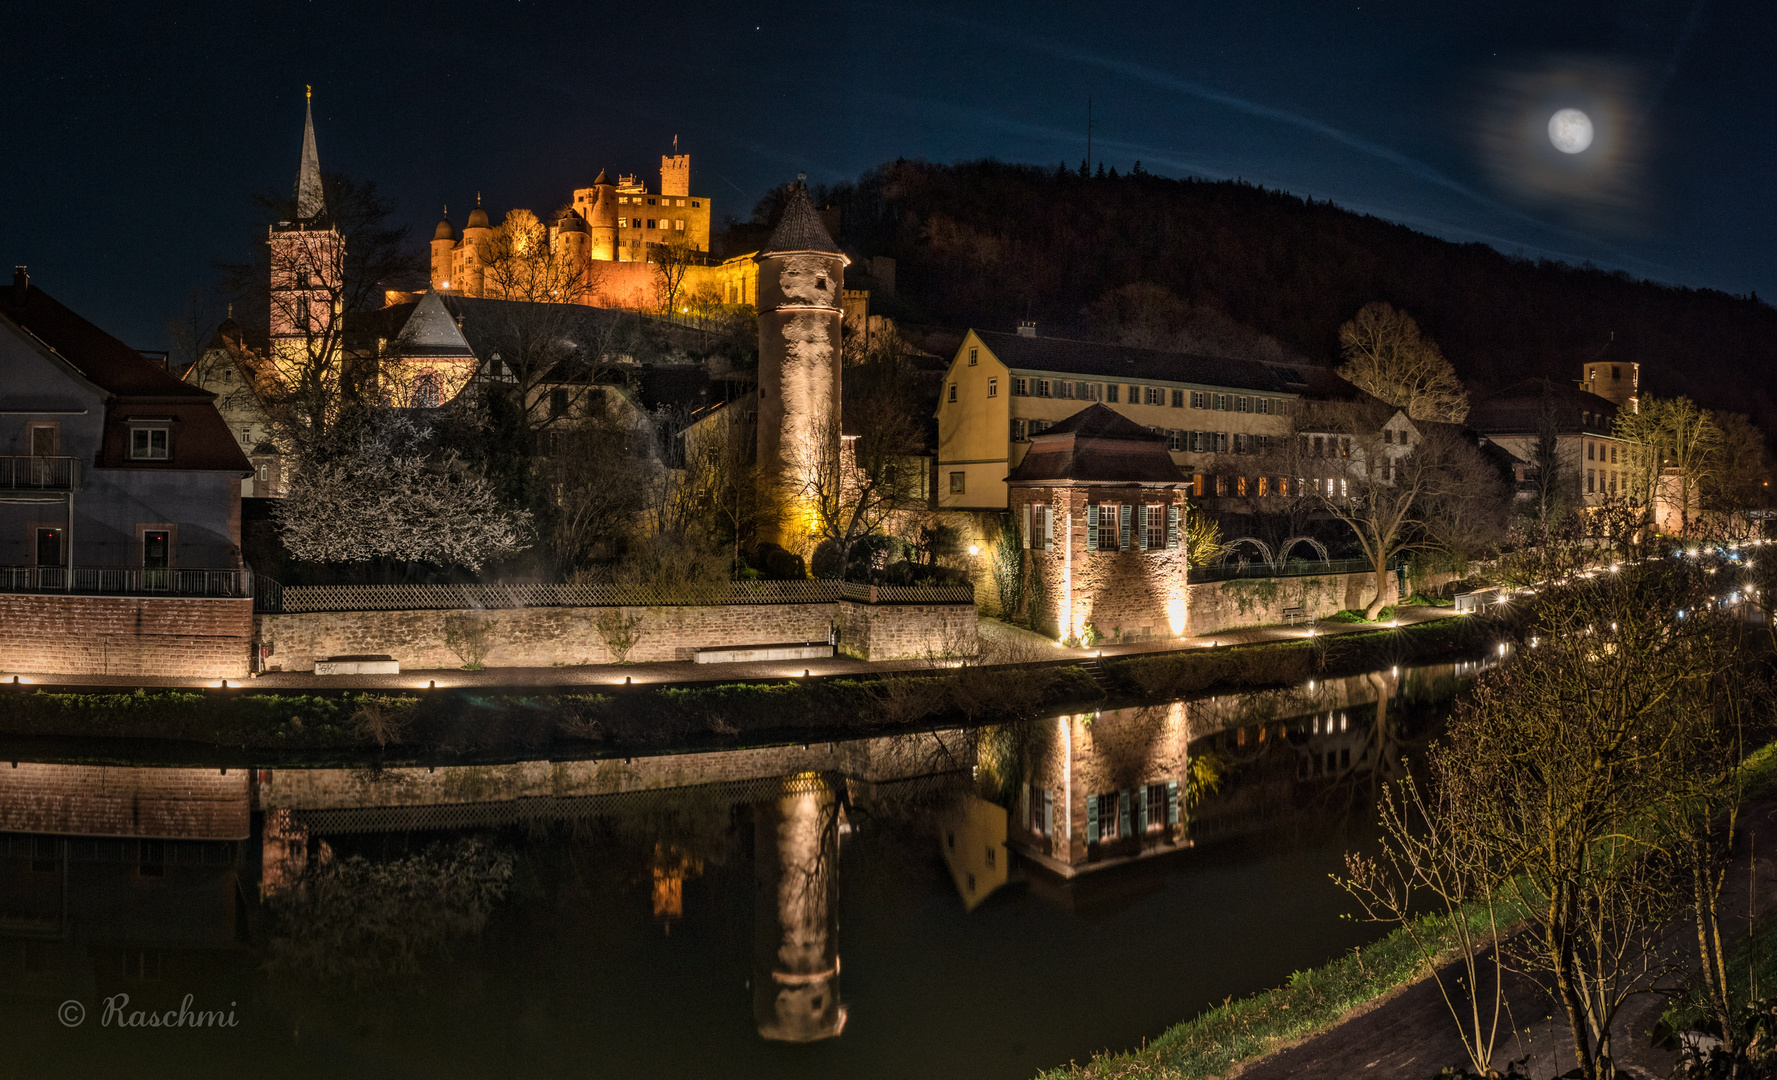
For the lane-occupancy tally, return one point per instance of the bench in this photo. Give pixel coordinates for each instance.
(358, 665)
(1291, 615)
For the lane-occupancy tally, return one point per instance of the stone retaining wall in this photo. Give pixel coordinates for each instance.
(116, 635)
(1225, 605)
(549, 636)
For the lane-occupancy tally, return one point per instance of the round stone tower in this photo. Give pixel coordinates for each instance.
(801, 279)
(572, 246)
(601, 220)
(474, 254)
(444, 241)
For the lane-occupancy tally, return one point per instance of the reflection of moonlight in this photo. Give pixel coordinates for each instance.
(1570, 130)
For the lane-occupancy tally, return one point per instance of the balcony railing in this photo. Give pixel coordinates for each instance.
(39, 474)
(125, 581)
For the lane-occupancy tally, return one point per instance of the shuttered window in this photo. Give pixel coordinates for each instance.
(1092, 819)
(1172, 802)
(1123, 520)
(1123, 813)
(1092, 527)
(1172, 528)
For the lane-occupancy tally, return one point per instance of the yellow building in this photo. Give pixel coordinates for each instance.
(1003, 388)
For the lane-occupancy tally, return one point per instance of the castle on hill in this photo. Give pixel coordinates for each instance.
(605, 248)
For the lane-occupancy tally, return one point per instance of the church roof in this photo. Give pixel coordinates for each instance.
(1097, 445)
(800, 229)
(309, 204)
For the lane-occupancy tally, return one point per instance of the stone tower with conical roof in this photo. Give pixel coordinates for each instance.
(307, 269)
(801, 278)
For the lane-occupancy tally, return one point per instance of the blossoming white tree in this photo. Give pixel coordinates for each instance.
(389, 494)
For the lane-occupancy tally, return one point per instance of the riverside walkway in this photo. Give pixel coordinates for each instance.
(1000, 644)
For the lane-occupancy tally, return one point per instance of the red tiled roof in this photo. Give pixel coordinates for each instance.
(1097, 445)
(138, 387)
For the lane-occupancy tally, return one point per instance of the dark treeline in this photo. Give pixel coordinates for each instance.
(988, 243)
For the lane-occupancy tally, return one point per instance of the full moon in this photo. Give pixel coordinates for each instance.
(1570, 130)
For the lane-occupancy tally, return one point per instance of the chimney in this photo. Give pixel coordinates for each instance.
(1027, 328)
(21, 286)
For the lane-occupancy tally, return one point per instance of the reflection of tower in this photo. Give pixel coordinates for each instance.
(801, 277)
(796, 913)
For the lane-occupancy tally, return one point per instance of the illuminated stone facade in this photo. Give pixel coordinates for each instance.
(1099, 507)
(800, 281)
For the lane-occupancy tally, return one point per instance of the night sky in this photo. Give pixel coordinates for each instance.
(133, 136)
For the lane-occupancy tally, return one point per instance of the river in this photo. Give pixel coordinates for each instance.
(923, 905)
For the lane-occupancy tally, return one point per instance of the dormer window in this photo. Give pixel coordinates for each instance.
(148, 442)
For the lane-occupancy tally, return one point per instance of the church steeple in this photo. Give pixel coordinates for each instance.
(309, 204)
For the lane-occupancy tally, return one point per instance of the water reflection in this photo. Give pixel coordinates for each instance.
(674, 909)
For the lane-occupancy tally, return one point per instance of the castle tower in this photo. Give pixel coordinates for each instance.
(571, 247)
(474, 253)
(675, 174)
(444, 241)
(1618, 383)
(307, 272)
(801, 277)
(601, 219)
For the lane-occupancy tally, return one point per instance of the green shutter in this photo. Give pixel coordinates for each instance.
(1172, 802)
(1026, 524)
(1092, 528)
(1092, 819)
(1123, 813)
(1141, 533)
(1172, 528)
(1123, 528)
(1141, 810)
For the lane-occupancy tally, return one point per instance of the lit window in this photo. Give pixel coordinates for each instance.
(679, 224)
(148, 444)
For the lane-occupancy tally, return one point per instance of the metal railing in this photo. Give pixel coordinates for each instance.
(126, 581)
(1292, 568)
(276, 599)
(39, 474)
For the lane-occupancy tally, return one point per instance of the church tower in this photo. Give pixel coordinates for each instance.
(307, 268)
(801, 279)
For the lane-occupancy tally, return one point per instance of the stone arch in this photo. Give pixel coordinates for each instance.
(1283, 553)
(1231, 546)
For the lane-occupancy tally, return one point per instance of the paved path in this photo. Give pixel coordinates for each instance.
(1411, 1035)
(1001, 643)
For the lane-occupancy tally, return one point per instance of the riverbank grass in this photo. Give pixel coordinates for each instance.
(1310, 1002)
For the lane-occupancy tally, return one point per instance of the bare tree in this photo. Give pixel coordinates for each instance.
(672, 261)
(1677, 452)
(1387, 356)
(853, 482)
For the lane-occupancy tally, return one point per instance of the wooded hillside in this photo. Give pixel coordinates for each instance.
(987, 243)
